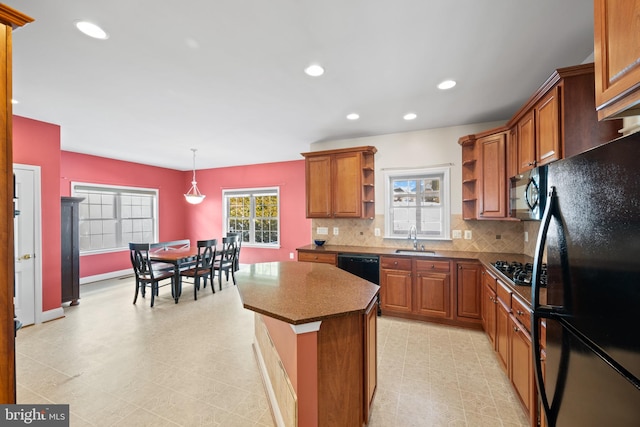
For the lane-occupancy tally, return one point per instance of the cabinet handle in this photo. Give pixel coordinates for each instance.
(515, 329)
(395, 262)
(433, 266)
(520, 312)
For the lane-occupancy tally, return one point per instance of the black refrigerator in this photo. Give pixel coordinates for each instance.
(590, 240)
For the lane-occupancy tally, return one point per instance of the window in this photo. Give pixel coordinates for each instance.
(111, 216)
(420, 198)
(255, 213)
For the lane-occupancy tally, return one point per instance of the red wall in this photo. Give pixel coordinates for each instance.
(38, 143)
(295, 229)
(75, 167)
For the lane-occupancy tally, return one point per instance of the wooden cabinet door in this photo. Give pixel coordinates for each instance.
(526, 143)
(512, 153)
(395, 290)
(548, 128)
(502, 334)
(347, 185)
(617, 57)
(489, 313)
(469, 290)
(433, 294)
(493, 194)
(318, 186)
(521, 364)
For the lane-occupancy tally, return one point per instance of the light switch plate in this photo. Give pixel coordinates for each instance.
(322, 230)
(457, 234)
(526, 236)
(467, 234)
(335, 231)
(376, 231)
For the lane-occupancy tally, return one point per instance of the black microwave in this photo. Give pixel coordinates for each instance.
(528, 195)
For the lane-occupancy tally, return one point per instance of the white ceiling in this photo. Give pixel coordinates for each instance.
(226, 76)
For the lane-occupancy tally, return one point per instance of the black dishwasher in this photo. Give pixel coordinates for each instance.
(365, 266)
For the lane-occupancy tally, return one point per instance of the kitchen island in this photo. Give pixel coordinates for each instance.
(315, 341)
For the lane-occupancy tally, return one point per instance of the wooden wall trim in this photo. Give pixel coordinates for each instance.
(10, 19)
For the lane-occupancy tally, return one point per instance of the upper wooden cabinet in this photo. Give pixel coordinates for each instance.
(617, 57)
(470, 172)
(340, 183)
(484, 175)
(492, 197)
(558, 120)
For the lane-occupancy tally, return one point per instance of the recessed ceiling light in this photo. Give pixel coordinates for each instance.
(314, 70)
(92, 30)
(410, 116)
(353, 116)
(447, 84)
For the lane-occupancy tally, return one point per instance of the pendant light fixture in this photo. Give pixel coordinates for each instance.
(194, 196)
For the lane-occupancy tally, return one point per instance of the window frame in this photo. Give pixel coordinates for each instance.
(118, 190)
(418, 173)
(252, 192)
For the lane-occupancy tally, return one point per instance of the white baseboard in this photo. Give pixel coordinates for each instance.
(271, 395)
(54, 314)
(105, 276)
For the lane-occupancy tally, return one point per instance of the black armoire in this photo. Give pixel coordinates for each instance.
(70, 248)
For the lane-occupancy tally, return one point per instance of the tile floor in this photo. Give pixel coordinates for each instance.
(192, 364)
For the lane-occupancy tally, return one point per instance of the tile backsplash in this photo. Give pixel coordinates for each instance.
(487, 236)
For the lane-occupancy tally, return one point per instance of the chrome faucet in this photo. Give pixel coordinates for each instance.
(413, 234)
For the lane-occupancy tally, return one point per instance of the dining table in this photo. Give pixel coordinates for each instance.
(179, 258)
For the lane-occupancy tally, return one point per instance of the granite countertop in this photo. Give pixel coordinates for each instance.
(302, 292)
(486, 258)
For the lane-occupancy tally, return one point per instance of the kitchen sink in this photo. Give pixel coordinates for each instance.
(414, 252)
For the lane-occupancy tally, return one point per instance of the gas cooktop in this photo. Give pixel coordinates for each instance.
(521, 274)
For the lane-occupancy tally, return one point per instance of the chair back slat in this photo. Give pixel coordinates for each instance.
(206, 254)
(170, 245)
(229, 249)
(142, 264)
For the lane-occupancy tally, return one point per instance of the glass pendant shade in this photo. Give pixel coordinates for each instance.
(194, 196)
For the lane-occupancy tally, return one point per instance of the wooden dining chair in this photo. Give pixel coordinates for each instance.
(146, 274)
(203, 267)
(226, 259)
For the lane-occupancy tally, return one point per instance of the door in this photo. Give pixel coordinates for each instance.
(433, 294)
(347, 185)
(26, 239)
(493, 194)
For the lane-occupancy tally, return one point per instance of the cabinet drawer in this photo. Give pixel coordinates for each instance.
(433, 265)
(522, 313)
(503, 292)
(395, 263)
(317, 257)
(489, 280)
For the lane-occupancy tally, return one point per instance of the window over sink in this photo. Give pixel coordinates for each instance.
(418, 198)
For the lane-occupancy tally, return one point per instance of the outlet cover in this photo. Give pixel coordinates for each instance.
(376, 231)
(290, 255)
(335, 231)
(467, 234)
(322, 230)
(457, 234)
(526, 236)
